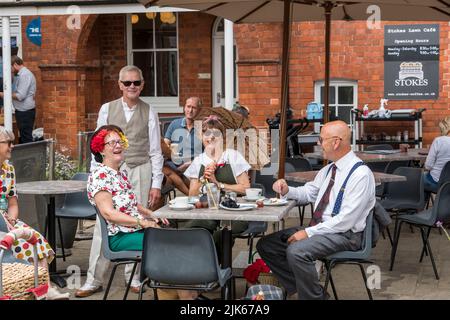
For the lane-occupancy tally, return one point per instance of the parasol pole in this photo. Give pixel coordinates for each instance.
(284, 85)
(328, 7)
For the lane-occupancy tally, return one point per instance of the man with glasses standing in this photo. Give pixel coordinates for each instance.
(344, 194)
(23, 99)
(143, 163)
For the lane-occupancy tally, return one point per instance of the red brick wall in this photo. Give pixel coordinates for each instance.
(195, 55)
(113, 50)
(356, 54)
(60, 78)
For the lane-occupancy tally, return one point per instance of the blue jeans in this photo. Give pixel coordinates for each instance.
(429, 184)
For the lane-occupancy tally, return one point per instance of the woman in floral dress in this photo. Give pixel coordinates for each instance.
(9, 210)
(110, 190)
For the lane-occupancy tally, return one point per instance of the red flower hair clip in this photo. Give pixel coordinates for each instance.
(98, 141)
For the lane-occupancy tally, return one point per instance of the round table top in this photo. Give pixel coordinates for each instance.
(51, 187)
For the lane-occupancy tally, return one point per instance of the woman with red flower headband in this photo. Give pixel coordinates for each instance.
(110, 190)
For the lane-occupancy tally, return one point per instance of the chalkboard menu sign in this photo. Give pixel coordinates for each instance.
(411, 62)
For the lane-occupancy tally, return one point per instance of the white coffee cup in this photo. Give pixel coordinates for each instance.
(181, 202)
(253, 193)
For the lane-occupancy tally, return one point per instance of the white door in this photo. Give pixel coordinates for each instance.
(218, 63)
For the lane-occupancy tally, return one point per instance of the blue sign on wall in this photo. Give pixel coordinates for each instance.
(34, 31)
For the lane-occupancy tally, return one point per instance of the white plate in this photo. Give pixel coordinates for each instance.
(242, 207)
(252, 199)
(188, 207)
(280, 202)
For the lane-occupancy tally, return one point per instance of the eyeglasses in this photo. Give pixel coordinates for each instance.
(136, 83)
(321, 140)
(215, 133)
(9, 142)
(114, 143)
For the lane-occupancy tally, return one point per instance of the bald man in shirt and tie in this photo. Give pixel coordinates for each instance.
(338, 220)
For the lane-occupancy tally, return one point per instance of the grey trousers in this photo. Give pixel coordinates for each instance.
(294, 265)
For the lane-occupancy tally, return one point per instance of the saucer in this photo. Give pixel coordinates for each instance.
(181, 208)
(253, 199)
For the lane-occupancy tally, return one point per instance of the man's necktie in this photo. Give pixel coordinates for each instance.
(317, 215)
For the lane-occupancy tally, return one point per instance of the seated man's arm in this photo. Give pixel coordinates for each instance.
(359, 195)
(308, 193)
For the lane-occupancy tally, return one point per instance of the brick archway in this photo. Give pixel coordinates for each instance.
(71, 63)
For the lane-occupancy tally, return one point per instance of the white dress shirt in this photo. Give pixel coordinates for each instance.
(154, 152)
(358, 200)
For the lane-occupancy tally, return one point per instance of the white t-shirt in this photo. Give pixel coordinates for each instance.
(230, 156)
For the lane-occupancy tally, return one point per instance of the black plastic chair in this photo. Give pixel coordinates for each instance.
(184, 259)
(256, 229)
(352, 257)
(426, 220)
(117, 257)
(266, 178)
(76, 206)
(404, 196)
(378, 147)
(168, 192)
(390, 168)
(300, 165)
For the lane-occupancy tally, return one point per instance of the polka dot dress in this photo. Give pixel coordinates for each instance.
(22, 249)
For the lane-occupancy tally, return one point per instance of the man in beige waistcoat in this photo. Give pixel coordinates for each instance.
(143, 162)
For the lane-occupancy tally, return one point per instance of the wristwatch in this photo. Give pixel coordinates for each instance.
(221, 186)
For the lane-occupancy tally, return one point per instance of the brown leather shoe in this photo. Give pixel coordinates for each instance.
(87, 293)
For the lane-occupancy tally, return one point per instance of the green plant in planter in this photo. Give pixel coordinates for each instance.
(65, 167)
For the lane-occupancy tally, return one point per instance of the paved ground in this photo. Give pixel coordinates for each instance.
(409, 280)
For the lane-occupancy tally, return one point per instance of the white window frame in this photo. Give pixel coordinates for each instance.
(160, 104)
(16, 31)
(338, 83)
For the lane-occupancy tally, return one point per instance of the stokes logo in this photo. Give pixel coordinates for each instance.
(411, 74)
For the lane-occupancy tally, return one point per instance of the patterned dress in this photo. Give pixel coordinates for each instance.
(104, 178)
(21, 248)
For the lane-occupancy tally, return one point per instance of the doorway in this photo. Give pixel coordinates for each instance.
(218, 64)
